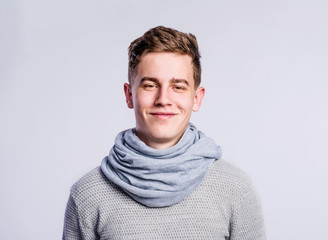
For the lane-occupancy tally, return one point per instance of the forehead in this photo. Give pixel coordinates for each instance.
(165, 66)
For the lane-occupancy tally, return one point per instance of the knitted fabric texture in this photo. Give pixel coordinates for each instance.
(224, 206)
(160, 177)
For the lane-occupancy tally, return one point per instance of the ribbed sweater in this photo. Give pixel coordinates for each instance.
(224, 206)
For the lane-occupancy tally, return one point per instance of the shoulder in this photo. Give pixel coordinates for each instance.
(87, 181)
(91, 186)
(229, 180)
(229, 171)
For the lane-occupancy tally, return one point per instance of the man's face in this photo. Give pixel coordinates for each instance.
(163, 96)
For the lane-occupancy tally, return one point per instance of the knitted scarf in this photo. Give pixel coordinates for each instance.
(159, 177)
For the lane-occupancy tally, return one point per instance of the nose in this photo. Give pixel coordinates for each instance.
(163, 97)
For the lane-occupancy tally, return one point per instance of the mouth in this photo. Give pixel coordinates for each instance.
(163, 115)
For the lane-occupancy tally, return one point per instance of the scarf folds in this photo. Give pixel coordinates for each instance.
(159, 177)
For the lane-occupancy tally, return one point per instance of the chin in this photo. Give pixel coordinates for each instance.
(165, 136)
(162, 136)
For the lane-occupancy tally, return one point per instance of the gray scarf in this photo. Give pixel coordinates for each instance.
(159, 177)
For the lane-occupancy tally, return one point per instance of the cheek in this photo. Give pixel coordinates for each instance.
(187, 102)
(143, 101)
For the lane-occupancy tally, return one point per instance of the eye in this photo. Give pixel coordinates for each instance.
(149, 86)
(179, 88)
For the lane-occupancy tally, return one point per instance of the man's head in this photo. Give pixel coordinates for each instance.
(162, 89)
(162, 39)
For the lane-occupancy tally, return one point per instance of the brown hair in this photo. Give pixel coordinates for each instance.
(162, 39)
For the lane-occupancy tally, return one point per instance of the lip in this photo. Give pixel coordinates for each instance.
(163, 115)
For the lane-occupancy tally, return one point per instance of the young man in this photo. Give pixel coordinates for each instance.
(163, 179)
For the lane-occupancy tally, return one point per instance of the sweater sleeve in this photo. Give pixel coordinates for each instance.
(74, 229)
(247, 221)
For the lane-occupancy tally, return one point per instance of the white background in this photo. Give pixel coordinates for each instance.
(63, 65)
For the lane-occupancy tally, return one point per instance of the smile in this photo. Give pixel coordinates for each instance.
(163, 116)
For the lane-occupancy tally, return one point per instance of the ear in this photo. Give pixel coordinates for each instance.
(128, 95)
(200, 92)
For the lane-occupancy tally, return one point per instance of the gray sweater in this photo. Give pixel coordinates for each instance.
(224, 206)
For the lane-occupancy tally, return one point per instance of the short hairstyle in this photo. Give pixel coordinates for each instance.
(163, 39)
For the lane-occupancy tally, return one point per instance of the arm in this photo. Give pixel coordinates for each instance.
(71, 222)
(74, 229)
(247, 220)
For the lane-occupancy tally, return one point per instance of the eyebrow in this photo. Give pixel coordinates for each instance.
(177, 80)
(173, 80)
